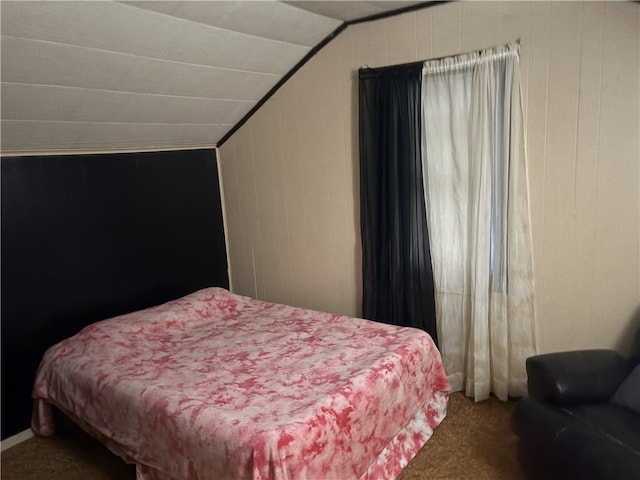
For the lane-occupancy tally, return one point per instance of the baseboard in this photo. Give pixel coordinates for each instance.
(16, 439)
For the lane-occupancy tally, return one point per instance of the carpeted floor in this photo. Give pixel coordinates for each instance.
(473, 442)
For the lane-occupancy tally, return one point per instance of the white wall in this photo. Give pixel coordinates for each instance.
(291, 173)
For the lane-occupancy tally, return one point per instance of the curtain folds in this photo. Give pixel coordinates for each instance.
(477, 203)
(396, 261)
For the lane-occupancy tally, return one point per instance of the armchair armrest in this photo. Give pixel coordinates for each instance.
(576, 377)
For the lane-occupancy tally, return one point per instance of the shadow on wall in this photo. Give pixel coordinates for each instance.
(626, 337)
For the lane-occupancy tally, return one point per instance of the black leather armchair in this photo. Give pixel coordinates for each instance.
(582, 417)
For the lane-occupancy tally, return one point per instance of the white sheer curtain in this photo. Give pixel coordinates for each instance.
(476, 192)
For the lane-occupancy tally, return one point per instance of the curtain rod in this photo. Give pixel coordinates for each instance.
(371, 70)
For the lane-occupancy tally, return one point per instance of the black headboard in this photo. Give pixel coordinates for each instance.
(88, 237)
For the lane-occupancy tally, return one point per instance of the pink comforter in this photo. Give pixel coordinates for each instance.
(216, 385)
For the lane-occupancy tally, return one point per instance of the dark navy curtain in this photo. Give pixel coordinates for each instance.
(396, 263)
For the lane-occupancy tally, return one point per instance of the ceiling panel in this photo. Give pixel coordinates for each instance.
(351, 10)
(46, 137)
(109, 75)
(46, 63)
(273, 20)
(43, 102)
(28, 136)
(122, 28)
(115, 135)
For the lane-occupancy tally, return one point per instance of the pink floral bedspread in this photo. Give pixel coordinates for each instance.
(216, 385)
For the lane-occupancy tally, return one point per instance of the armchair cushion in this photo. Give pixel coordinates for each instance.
(612, 422)
(568, 378)
(628, 394)
(594, 441)
(604, 447)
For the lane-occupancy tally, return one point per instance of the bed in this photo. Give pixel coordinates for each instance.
(216, 385)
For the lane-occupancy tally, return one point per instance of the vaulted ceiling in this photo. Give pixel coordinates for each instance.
(105, 75)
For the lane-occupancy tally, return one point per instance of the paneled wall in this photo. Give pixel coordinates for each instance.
(290, 174)
(88, 237)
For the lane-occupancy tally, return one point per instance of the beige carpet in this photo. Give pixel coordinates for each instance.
(473, 442)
